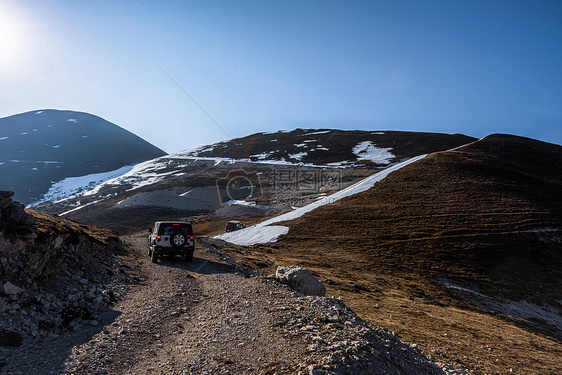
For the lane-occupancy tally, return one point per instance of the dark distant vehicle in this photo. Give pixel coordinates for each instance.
(233, 225)
(171, 238)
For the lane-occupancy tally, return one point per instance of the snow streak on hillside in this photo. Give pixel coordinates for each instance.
(265, 232)
(73, 185)
(144, 174)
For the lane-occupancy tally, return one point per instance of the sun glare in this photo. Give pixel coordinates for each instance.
(13, 39)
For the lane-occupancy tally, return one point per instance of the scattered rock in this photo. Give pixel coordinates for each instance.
(301, 280)
(52, 275)
(10, 288)
(359, 287)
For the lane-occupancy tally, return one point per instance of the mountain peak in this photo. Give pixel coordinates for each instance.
(46, 145)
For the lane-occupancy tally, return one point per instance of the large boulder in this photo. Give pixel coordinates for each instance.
(301, 280)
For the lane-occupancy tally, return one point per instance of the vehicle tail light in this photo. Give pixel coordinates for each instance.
(191, 237)
(158, 238)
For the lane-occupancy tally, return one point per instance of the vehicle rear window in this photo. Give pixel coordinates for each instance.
(167, 229)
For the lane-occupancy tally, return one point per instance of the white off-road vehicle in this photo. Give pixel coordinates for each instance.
(171, 238)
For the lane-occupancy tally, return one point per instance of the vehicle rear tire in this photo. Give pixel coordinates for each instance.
(154, 257)
(178, 240)
(189, 256)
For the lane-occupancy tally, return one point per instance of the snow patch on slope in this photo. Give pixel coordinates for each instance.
(240, 203)
(264, 232)
(247, 236)
(262, 156)
(298, 155)
(367, 151)
(143, 174)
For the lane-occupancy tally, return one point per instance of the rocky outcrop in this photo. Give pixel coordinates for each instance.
(13, 212)
(301, 280)
(55, 274)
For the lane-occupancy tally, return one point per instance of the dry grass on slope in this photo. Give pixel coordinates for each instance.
(481, 216)
(483, 212)
(49, 225)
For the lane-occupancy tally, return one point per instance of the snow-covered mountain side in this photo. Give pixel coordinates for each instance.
(262, 174)
(40, 148)
(331, 147)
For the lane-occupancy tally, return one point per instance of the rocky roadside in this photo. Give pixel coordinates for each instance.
(58, 281)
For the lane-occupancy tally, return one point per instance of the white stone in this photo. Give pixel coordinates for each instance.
(10, 288)
(58, 241)
(301, 280)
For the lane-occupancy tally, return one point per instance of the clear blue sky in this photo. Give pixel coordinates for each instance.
(474, 67)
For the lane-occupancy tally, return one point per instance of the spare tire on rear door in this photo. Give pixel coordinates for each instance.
(178, 239)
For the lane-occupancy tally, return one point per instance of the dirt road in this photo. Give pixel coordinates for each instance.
(190, 317)
(206, 317)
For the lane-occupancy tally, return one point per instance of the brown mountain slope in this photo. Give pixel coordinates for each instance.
(490, 211)
(483, 220)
